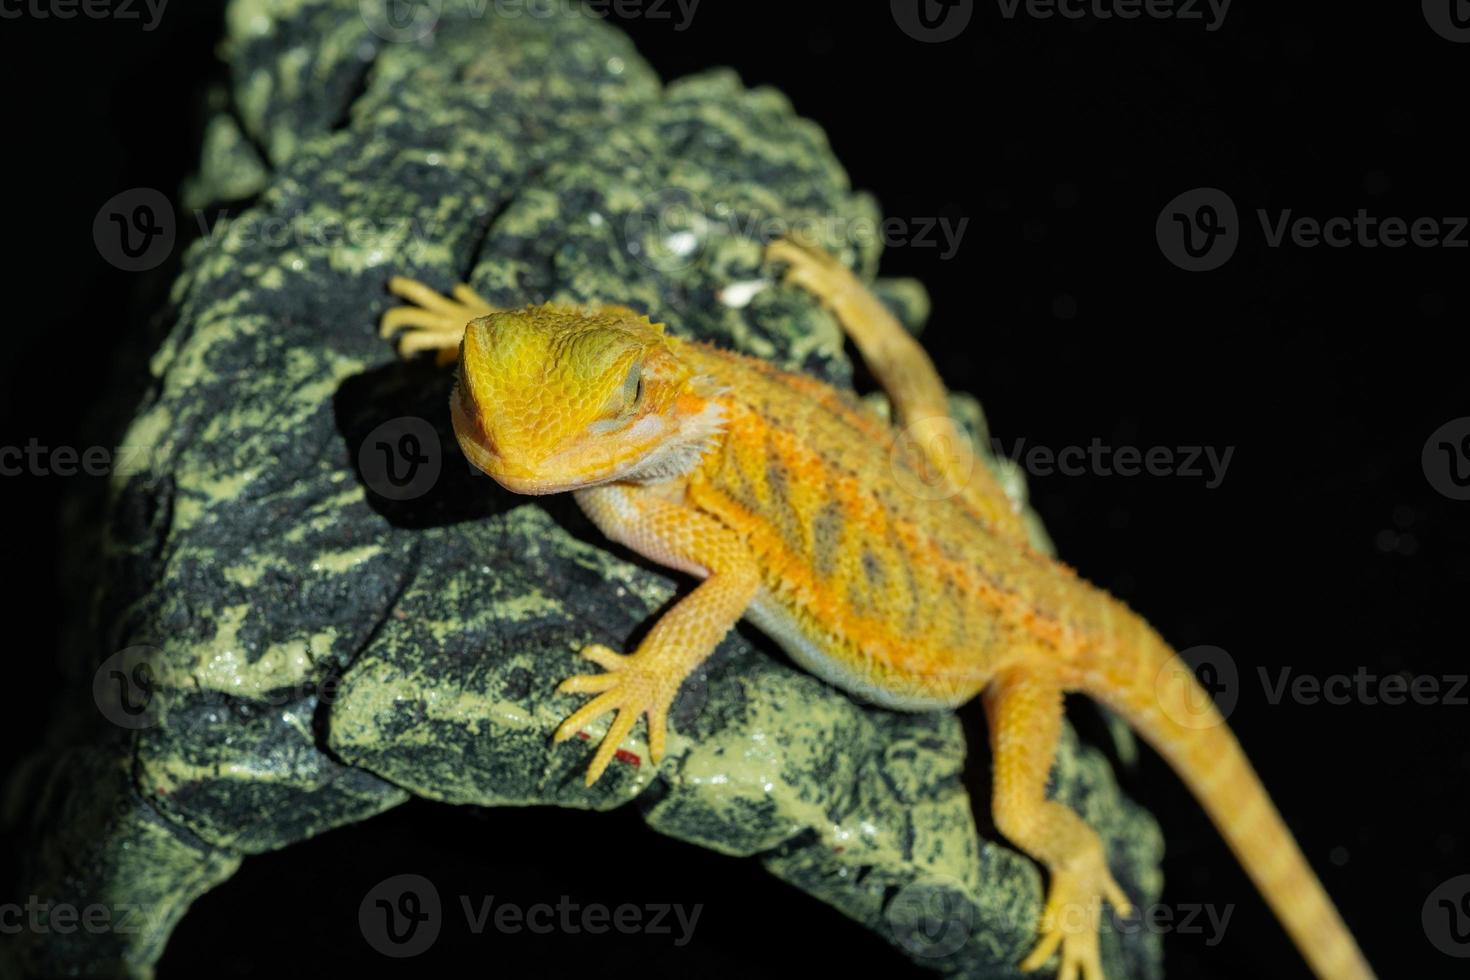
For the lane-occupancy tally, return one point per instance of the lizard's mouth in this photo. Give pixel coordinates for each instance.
(474, 441)
(479, 448)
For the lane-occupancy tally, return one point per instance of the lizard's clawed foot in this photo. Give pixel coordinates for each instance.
(1071, 919)
(811, 268)
(434, 322)
(633, 685)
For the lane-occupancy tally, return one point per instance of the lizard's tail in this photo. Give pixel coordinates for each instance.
(1158, 694)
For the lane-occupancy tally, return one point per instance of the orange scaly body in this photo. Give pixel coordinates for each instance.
(911, 602)
(887, 561)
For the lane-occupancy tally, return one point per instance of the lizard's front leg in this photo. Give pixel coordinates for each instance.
(436, 323)
(645, 681)
(1024, 708)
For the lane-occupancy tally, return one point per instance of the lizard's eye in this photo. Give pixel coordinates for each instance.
(624, 402)
(633, 389)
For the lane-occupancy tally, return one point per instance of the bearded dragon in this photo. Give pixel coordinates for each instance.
(887, 560)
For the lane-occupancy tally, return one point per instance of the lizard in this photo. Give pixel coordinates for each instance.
(887, 559)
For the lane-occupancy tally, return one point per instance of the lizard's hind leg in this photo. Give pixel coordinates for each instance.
(435, 322)
(1025, 715)
(920, 401)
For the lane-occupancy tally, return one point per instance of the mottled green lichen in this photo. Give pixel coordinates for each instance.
(324, 650)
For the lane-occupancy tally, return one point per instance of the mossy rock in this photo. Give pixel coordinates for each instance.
(323, 642)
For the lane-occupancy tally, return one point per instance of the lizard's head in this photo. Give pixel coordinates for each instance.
(554, 398)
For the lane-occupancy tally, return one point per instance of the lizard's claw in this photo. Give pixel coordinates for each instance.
(433, 322)
(1071, 919)
(633, 685)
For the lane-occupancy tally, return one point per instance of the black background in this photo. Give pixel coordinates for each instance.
(1325, 549)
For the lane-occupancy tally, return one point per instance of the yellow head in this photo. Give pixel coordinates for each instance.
(553, 398)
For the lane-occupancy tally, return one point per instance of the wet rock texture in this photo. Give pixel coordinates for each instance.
(323, 611)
